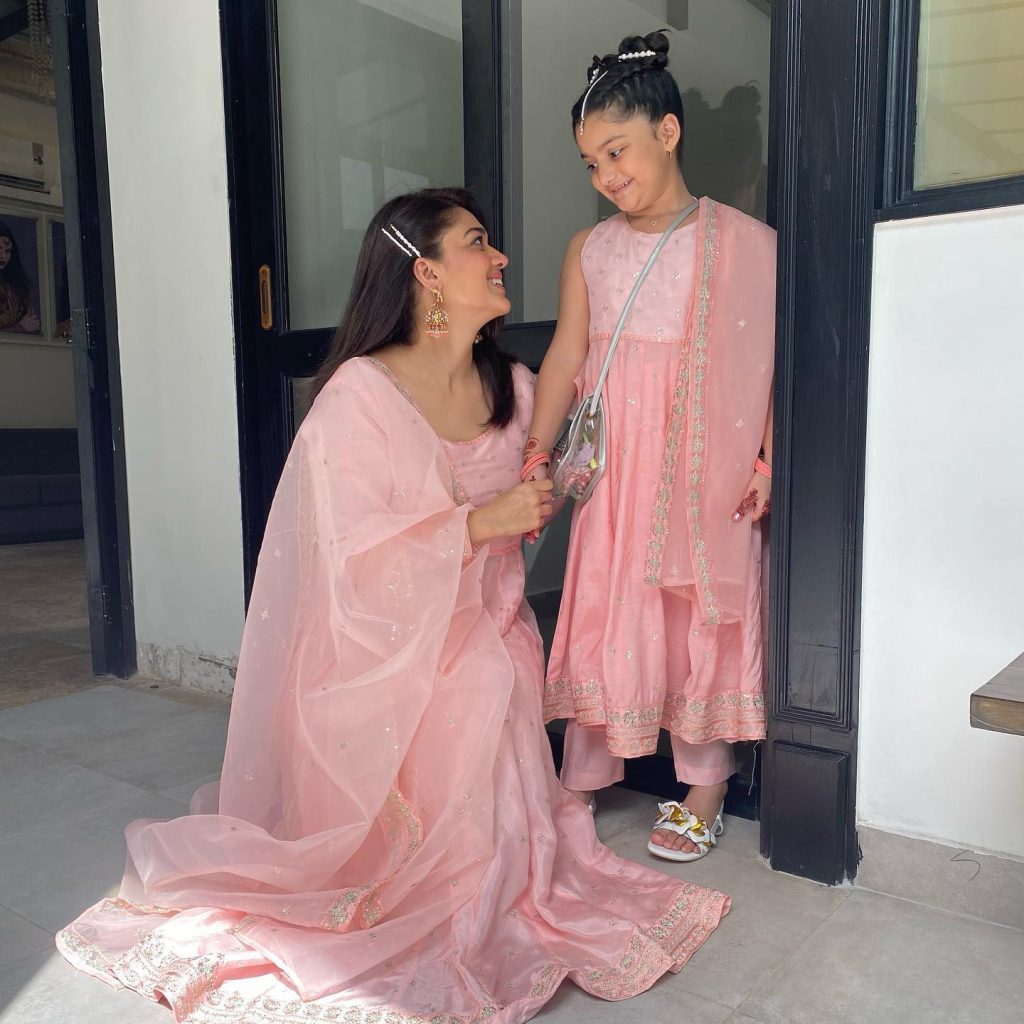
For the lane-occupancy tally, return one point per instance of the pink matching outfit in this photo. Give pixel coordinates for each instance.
(388, 841)
(660, 623)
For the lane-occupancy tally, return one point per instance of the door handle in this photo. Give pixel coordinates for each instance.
(266, 300)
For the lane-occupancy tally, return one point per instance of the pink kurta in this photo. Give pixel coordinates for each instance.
(629, 654)
(389, 842)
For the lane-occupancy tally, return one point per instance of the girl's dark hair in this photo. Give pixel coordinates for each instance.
(640, 85)
(14, 273)
(381, 308)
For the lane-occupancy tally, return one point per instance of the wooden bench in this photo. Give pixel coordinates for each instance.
(999, 704)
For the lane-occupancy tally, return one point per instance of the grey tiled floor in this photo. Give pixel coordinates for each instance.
(790, 952)
(75, 768)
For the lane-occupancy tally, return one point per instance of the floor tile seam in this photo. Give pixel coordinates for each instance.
(74, 821)
(940, 910)
(35, 924)
(130, 731)
(777, 969)
(22, 960)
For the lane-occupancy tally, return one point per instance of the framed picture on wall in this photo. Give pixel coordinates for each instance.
(20, 274)
(59, 281)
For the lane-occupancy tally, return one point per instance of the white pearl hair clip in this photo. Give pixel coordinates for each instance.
(401, 241)
(637, 55)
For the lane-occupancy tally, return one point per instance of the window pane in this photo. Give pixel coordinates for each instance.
(720, 55)
(298, 402)
(970, 91)
(371, 106)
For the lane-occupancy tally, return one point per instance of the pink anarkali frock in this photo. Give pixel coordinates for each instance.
(660, 622)
(389, 843)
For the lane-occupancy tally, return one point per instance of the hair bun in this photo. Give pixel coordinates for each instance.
(655, 43)
(653, 46)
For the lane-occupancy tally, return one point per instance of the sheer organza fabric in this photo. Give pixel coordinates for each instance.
(388, 841)
(720, 406)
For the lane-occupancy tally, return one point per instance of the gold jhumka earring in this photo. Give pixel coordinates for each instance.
(437, 318)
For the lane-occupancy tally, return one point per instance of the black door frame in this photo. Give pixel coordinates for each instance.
(826, 115)
(97, 374)
(828, 112)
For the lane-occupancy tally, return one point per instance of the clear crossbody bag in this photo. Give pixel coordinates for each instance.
(580, 456)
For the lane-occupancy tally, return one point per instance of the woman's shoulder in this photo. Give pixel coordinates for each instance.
(524, 380)
(352, 393)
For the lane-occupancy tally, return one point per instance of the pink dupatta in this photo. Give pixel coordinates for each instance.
(718, 415)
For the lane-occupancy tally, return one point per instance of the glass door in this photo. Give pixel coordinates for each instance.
(333, 107)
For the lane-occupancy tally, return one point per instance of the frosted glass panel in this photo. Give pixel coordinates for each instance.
(720, 55)
(970, 91)
(371, 106)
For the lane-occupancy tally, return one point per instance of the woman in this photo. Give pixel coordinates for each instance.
(16, 313)
(390, 841)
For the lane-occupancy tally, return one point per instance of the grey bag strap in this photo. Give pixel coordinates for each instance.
(614, 343)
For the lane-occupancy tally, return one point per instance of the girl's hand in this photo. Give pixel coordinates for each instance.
(520, 510)
(757, 502)
(29, 323)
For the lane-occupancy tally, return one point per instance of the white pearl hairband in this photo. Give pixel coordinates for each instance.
(598, 74)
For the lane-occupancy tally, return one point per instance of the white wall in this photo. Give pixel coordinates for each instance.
(163, 97)
(943, 598)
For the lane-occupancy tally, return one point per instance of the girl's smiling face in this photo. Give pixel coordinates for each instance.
(632, 162)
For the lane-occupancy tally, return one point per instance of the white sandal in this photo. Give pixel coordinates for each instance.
(681, 821)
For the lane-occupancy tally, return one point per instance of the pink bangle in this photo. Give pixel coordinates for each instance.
(540, 459)
(762, 467)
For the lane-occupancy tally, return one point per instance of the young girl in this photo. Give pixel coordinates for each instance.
(660, 624)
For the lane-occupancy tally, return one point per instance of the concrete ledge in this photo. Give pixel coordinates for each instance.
(947, 877)
(184, 667)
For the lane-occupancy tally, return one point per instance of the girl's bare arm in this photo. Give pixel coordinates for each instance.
(556, 390)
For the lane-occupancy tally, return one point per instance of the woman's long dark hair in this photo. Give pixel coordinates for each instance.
(382, 306)
(640, 85)
(14, 274)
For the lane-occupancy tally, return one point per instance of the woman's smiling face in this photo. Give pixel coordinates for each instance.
(471, 270)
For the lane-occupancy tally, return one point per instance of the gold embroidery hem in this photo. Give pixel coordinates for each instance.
(152, 969)
(632, 731)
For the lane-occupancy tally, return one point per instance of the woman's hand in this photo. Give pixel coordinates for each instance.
(520, 510)
(540, 473)
(757, 503)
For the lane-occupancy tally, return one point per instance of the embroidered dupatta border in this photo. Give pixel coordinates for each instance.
(191, 986)
(677, 433)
